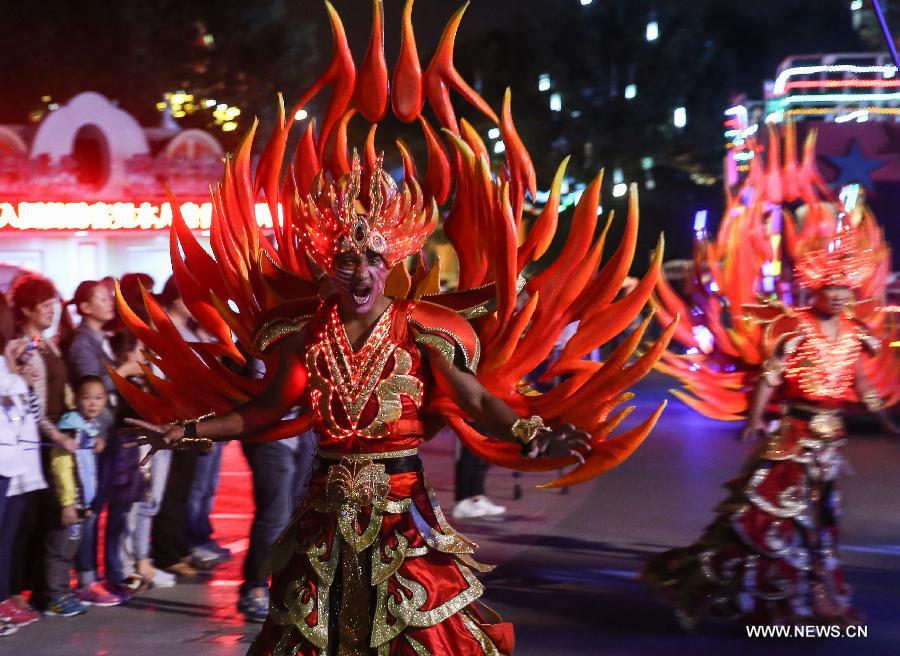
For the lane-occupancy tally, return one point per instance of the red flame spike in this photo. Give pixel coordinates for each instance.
(609, 454)
(544, 228)
(306, 160)
(441, 76)
(372, 86)
(522, 175)
(437, 175)
(407, 97)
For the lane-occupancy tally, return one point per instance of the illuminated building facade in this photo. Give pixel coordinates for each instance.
(852, 101)
(82, 193)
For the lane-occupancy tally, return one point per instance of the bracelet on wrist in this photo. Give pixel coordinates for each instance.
(190, 439)
(525, 430)
(872, 401)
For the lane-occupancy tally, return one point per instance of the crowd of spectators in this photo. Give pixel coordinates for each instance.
(65, 465)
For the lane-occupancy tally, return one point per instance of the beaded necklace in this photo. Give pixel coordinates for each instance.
(823, 368)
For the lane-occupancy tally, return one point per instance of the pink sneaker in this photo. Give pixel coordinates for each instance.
(18, 616)
(95, 594)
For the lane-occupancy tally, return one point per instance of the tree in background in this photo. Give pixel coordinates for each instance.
(236, 53)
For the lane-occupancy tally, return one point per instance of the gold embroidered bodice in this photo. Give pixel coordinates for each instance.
(360, 396)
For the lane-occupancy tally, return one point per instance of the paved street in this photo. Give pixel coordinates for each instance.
(565, 561)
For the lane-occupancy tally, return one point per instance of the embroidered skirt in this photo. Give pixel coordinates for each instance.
(770, 556)
(370, 566)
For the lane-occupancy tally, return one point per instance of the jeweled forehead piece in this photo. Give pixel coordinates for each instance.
(843, 260)
(394, 224)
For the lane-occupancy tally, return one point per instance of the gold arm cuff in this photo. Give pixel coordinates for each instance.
(873, 401)
(191, 439)
(525, 430)
(196, 420)
(202, 444)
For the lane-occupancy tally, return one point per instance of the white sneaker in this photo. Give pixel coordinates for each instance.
(467, 509)
(489, 508)
(203, 557)
(163, 579)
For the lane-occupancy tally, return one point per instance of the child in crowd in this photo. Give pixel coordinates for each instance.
(73, 476)
(131, 507)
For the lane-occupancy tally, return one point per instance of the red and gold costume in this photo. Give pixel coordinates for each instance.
(370, 521)
(369, 562)
(781, 209)
(771, 555)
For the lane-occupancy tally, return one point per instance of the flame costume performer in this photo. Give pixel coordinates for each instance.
(369, 563)
(771, 554)
(783, 208)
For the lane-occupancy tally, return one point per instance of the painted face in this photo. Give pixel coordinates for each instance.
(101, 306)
(91, 399)
(833, 298)
(359, 279)
(41, 315)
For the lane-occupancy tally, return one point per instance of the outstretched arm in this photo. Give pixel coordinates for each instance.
(870, 398)
(498, 418)
(769, 380)
(280, 395)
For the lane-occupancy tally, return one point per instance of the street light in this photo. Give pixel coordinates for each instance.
(555, 102)
(544, 82)
(630, 91)
(679, 117)
(652, 33)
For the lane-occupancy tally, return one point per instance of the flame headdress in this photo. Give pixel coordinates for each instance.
(844, 259)
(324, 201)
(395, 225)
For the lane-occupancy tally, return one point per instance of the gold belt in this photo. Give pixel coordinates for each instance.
(825, 423)
(358, 457)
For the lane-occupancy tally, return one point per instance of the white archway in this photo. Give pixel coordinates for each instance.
(123, 136)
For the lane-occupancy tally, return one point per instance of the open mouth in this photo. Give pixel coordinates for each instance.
(361, 295)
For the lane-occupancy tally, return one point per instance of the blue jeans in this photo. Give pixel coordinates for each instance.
(86, 561)
(86, 555)
(116, 531)
(201, 496)
(281, 476)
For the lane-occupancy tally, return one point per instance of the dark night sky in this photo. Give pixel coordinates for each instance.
(774, 29)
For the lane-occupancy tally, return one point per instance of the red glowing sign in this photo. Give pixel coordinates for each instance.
(110, 216)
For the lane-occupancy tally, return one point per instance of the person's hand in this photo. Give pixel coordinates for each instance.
(68, 516)
(560, 442)
(13, 351)
(159, 437)
(99, 445)
(130, 368)
(65, 441)
(752, 432)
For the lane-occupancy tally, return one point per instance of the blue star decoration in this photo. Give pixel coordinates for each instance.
(854, 167)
